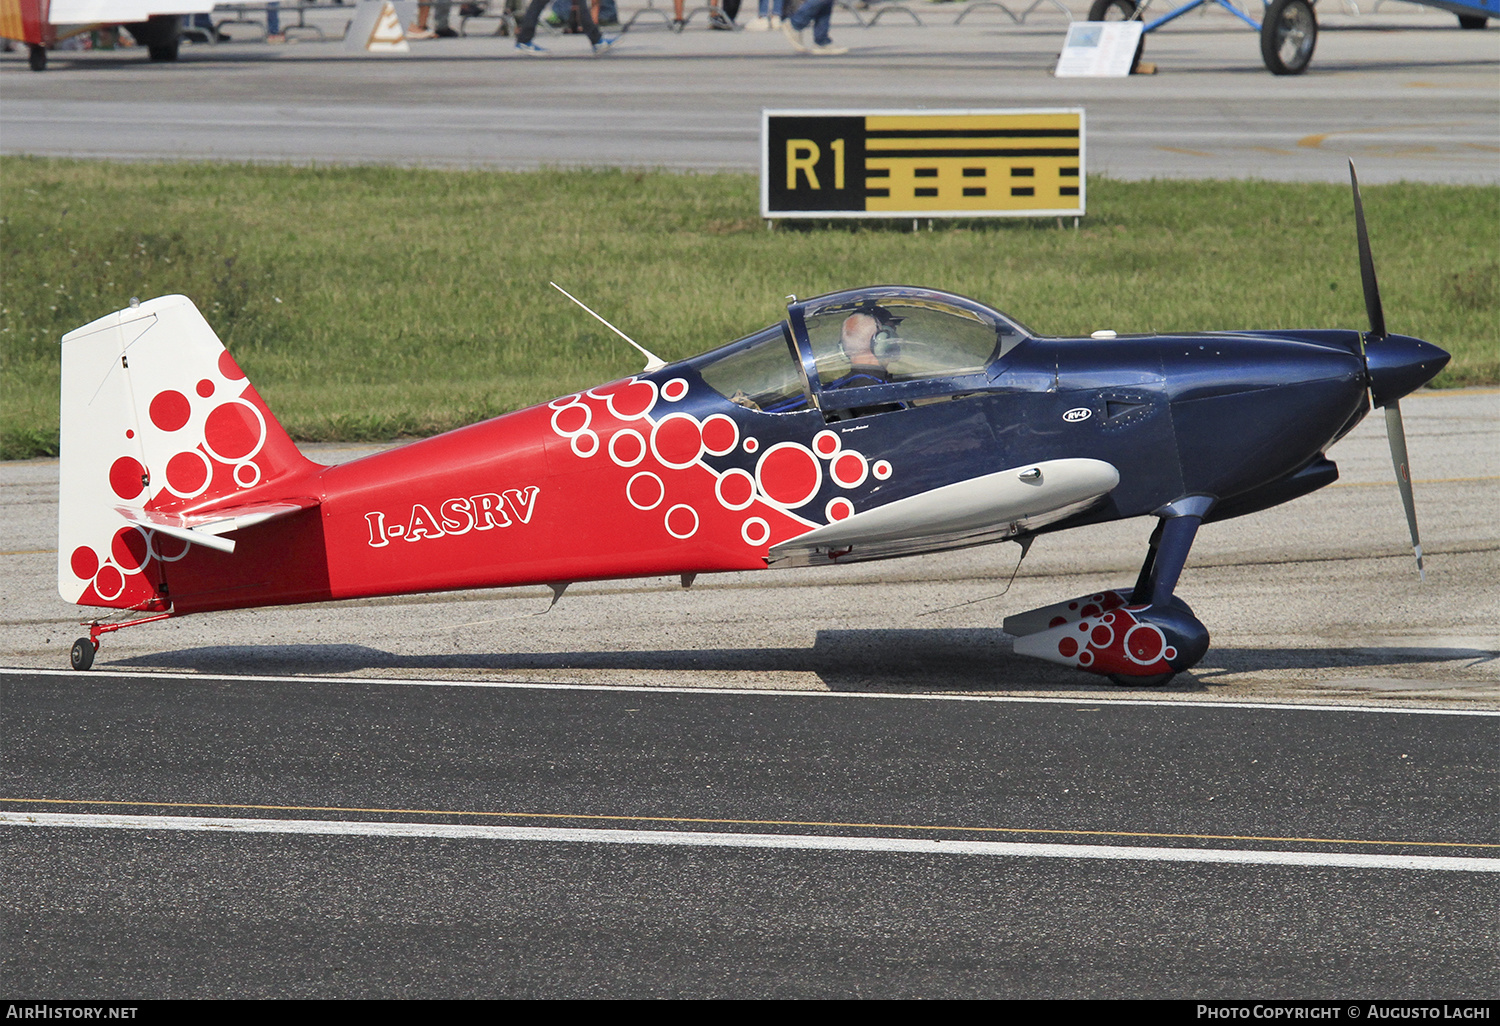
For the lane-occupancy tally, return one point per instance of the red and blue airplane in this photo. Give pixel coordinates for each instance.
(870, 423)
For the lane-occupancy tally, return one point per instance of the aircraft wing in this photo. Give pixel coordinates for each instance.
(982, 509)
(1471, 8)
(205, 528)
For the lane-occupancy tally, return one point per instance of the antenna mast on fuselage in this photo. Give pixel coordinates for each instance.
(653, 362)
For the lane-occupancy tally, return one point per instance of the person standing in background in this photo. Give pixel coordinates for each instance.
(769, 18)
(273, 23)
(609, 13)
(816, 13)
(721, 15)
(527, 31)
(440, 30)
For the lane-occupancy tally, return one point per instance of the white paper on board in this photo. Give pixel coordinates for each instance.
(1099, 49)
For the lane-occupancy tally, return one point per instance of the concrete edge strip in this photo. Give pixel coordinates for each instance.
(669, 689)
(706, 839)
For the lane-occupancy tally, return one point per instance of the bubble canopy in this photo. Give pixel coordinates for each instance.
(863, 348)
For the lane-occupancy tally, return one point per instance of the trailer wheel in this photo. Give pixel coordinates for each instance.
(1472, 21)
(36, 56)
(159, 34)
(1287, 36)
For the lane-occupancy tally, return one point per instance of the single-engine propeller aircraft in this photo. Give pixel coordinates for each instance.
(870, 423)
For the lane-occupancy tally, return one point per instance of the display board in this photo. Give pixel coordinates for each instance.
(1099, 49)
(921, 163)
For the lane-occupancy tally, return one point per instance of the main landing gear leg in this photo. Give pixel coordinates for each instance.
(1167, 554)
(1138, 637)
(1141, 593)
(82, 655)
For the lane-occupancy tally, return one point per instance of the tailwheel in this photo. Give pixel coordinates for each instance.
(82, 656)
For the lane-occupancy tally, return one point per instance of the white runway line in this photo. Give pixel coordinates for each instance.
(670, 689)
(803, 842)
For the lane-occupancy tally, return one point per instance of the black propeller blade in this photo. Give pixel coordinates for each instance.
(1396, 435)
(1367, 264)
(1394, 430)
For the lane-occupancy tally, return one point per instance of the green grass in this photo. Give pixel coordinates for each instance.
(370, 303)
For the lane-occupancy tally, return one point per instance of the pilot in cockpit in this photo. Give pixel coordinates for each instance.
(868, 340)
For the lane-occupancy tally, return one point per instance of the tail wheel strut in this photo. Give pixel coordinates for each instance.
(81, 657)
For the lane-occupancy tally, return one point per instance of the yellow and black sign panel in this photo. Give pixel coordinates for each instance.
(971, 163)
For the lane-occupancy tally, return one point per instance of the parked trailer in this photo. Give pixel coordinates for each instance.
(42, 24)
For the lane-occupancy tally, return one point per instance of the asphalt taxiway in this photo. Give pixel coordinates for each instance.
(1403, 90)
(175, 837)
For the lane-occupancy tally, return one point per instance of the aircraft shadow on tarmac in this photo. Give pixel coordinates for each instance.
(847, 660)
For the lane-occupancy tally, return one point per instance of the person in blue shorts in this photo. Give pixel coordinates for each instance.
(816, 13)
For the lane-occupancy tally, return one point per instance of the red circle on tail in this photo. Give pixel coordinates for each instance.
(129, 549)
(85, 563)
(228, 367)
(109, 583)
(170, 410)
(187, 473)
(232, 431)
(126, 477)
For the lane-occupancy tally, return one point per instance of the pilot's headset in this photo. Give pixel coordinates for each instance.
(886, 344)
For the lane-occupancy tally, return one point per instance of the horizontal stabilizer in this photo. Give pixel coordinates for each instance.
(982, 509)
(204, 528)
